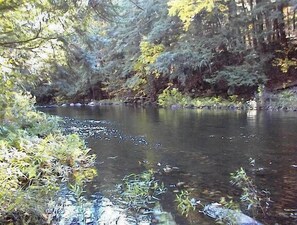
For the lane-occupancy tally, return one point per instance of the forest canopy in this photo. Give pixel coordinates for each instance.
(90, 49)
(81, 50)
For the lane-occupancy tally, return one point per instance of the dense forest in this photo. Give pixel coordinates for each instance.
(149, 51)
(65, 51)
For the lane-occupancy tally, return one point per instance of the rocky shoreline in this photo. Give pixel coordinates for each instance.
(285, 100)
(231, 107)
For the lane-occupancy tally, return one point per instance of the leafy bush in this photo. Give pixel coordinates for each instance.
(140, 190)
(171, 97)
(209, 101)
(185, 205)
(35, 157)
(285, 99)
(149, 54)
(251, 197)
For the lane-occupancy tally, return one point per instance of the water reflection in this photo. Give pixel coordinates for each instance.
(209, 145)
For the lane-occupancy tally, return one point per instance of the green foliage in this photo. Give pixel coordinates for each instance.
(35, 157)
(183, 62)
(171, 97)
(285, 62)
(229, 211)
(211, 102)
(48, 44)
(239, 76)
(253, 199)
(186, 10)
(232, 208)
(82, 49)
(139, 190)
(149, 54)
(249, 192)
(17, 111)
(229, 203)
(284, 99)
(184, 204)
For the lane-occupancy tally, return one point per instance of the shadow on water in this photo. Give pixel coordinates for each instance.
(206, 145)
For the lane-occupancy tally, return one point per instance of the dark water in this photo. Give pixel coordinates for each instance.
(205, 145)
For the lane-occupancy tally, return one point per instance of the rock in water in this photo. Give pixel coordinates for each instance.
(218, 212)
(70, 210)
(91, 104)
(104, 212)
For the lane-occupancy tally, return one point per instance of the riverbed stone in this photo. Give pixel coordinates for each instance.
(218, 212)
(68, 209)
(91, 104)
(175, 106)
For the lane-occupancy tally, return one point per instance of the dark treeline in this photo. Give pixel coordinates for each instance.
(79, 50)
(137, 48)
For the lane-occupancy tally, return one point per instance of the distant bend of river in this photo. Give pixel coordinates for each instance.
(207, 144)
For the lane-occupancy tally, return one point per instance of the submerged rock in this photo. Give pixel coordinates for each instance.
(68, 209)
(218, 212)
(163, 217)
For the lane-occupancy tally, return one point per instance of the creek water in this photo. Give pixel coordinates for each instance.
(205, 145)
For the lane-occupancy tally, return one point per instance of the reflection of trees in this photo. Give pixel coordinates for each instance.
(275, 134)
(207, 144)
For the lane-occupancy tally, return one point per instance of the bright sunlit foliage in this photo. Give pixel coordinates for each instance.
(186, 10)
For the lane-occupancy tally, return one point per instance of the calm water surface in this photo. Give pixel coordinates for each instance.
(205, 145)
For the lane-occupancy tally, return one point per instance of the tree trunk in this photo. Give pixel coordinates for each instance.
(280, 25)
(247, 36)
(254, 30)
(268, 28)
(260, 29)
(294, 20)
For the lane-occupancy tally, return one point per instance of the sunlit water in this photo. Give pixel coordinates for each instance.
(205, 145)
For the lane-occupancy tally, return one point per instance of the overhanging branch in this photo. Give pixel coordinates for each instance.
(10, 44)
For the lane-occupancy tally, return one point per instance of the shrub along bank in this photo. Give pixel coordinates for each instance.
(283, 100)
(35, 157)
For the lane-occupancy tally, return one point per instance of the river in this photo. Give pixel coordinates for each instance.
(205, 145)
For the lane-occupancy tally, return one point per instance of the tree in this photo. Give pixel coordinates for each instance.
(96, 48)
(43, 43)
(35, 155)
(244, 35)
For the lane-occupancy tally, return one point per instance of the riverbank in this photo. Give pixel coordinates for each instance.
(262, 100)
(285, 100)
(35, 158)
